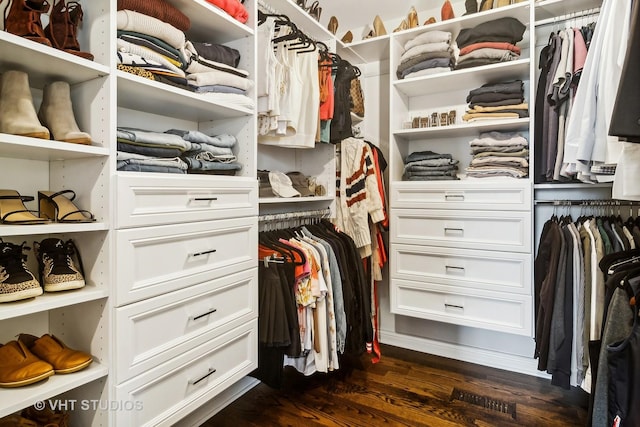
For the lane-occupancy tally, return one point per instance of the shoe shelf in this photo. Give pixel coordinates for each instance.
(469, 77)
(549, 9)
(138, 93)
(46, 63)
(368, 50)
(15, 399)
(462, 130)
(209, 22)
(53, 228)
(22, 147)
(50, 301)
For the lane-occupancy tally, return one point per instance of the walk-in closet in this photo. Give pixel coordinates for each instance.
(204, 202)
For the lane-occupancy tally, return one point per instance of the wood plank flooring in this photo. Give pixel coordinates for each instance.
(408, 388)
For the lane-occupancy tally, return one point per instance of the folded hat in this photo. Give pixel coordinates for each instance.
(281, 185)
(300, 182)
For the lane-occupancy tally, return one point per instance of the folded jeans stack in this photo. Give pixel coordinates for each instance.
(427, 53)
(142, 150)
(492, 101)
(430, 166)
(212, 155)
(499, 154)
(489, 43)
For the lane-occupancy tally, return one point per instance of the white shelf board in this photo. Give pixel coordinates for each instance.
(365, 51)
(210, 23)
(46, 64)
(552, 8)
(138, 93)
(280, 200)
(461, 130)
(302, 19)
(51, 228)
(571, 185)
(466, 78)
(23, 147)
(519, 11)
(463, 181)
(51, 300)
(15, 399)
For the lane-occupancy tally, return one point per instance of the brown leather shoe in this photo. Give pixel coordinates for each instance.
(16, 421)
(46, 416)
(50, 349)
(18, 366)
(23, 20)
(63, 28)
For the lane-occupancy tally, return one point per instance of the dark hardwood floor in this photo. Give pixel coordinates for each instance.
(408, 388)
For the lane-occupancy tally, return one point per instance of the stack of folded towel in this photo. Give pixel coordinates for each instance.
(175, 151)
(427, 53)
(489, 42)
(151, 43)
(499, 154)
(430, 166)
(497, 101)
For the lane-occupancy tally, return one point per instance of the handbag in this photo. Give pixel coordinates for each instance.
(357, 98)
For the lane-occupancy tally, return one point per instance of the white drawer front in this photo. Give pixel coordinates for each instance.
(155, 260)
(495, 311)
(159, 200)
(500, 231)
(498, 271)
(169, 392)
(462, 195)
(186, 318)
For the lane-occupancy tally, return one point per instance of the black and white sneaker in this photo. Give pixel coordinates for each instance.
(57, 262)
(16, 281)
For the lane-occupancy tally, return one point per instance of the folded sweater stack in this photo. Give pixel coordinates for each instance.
(427, 53)
(497, 101)
(152, 44)
(430, 166)
(499, 154)
(489, 43)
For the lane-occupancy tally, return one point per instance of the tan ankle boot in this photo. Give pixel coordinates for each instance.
(17, 113)
(56, 112)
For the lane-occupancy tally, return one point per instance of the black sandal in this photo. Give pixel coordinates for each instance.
(60, 208)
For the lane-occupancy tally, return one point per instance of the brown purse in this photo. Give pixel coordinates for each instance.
(357, 98)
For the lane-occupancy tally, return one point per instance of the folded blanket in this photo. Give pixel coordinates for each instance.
(429, 37)
(129, 20)
(126, 47)
(423, 48)
(494, 45)
(445, 55)
(515, 86)
(159, 9)
(219, 78)
(506, 29)
(233, 8)
(498, 55)
(433, 63)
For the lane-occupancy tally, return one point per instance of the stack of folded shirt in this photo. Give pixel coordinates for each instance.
(489, 42)
(147, 151)
(499, 154)
(151, 43)
(497, 101)
(430, 166)
(427, 53)
(212, 155)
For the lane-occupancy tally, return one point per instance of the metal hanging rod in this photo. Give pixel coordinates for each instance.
(568, 16)
(319, 213)
(591, 202)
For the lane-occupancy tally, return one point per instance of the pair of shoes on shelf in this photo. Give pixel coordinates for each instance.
(22, 18)
(377, 30)
(59, 265)
(46, 416)
(411, 21)
(55, 117)
(52, 206)
(30, 359)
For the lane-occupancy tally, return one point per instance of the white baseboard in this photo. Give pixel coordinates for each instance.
(493, 359)
(218, 403)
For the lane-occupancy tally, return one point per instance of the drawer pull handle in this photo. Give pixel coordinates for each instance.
(457, 307)
(204, 253)
(205, 199)
(457, 230)
(451, 267)
(454, 197)
(200, 316)
(202, 378)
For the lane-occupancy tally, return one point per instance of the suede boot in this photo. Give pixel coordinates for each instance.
(62, 30)
(23, 19)
(17, 113)
(56, 112)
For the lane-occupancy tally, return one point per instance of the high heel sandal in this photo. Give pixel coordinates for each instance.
(13, 210)
(60, 208)
(315, 10)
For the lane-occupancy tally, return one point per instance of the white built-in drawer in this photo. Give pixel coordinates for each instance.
(155, 200)
(158, 329)
(155, 260)
(498, 230)
(165, 394)
(498, 271)
(513, 196)
(497, 311)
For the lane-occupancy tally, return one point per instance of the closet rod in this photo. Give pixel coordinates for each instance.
(319, 213)
(267, 8)
(589, 202)
(567, 17)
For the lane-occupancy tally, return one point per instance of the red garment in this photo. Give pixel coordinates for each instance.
(494, 45)
(233, 8)
(326, 89)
